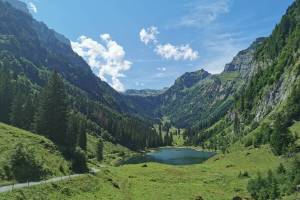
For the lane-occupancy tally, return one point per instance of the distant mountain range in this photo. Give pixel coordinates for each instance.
(144, 92)
(199, 97)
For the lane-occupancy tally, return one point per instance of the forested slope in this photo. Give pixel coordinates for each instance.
(29, 52)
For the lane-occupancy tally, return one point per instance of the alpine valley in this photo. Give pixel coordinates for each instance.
(57, 118)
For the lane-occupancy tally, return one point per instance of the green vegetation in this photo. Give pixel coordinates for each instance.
(217, 178)
(86, 187)
(295, 129)
(25, 72)
(112, 153)
(79, 122)
(35, 150)
(79, 161)
(281, 183)
(24, 166)
(228, 76)
(51, 116)
(99, 150)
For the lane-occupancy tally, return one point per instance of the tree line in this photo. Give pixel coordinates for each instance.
(51, 111)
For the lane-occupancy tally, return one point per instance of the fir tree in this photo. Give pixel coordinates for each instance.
(99, 150)
(281, 137)
(51, 119)
(236, 124)
(16, 114)
(6, 92)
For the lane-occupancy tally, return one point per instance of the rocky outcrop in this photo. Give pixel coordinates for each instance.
(244, 61)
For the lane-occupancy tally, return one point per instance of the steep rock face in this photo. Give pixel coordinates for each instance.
(244, 61)
(277, 63)
(43, 32)
(273, 95)
(48, 36)
(271, 92)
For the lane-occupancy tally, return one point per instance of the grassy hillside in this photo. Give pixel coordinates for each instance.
(43, 150)
(217, 178)
(47, 153)
(113, 153)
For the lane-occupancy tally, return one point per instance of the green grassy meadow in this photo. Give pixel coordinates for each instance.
(217, 178)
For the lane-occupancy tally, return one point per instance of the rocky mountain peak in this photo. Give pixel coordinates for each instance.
(18, 5)
(190, 78)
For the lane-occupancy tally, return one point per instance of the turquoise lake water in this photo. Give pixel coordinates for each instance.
(172, 156)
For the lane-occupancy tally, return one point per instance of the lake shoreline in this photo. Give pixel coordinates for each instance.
(171, 155)
(196, 148)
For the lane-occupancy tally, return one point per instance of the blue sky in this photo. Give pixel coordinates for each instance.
(148, 44)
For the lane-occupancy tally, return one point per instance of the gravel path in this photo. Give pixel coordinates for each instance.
(8, 188)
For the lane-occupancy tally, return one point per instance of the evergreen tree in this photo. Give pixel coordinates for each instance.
(29, 112)
(159, 128)
(82, 137)
(6, 92)
(22, 108)
(82, 129)
(79, 161)
(99, 150)
(160, 138)
(51, 119)
(171, 138)
(236, 124)
(24, 166)
(72, 132)
(293, 103)
(281, 138)
(17, 114)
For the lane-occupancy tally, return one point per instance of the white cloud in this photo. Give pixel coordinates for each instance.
(32, 7)
(223, 48)
(204, 12)
(163, 69)
(139, 84)
(167, 51)
(148, 35)
(183, 52)
(106, 58)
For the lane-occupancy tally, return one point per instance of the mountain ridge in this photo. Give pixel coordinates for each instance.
(199, 92)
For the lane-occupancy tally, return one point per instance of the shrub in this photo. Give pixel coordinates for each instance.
(281, 169)
(264, 188)
(24, 166)
(79, 162)
(244, 174)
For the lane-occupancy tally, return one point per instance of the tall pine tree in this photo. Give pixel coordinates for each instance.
(6, 91)
(51, 118)
(99, 149)
(281, 137)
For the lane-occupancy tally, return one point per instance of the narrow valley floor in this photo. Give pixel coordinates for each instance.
(216, 179)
